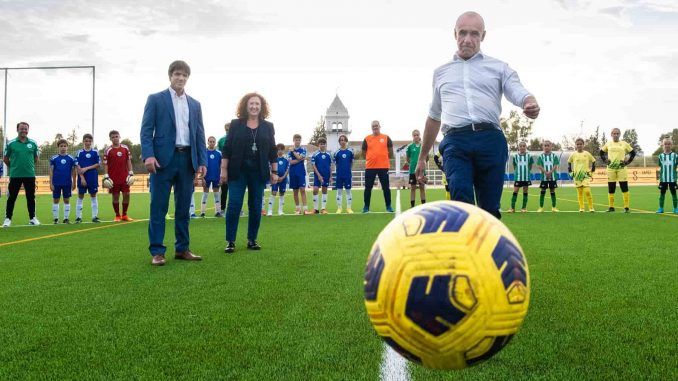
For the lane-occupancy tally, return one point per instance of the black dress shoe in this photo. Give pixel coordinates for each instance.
(253, 245)
(230, 248)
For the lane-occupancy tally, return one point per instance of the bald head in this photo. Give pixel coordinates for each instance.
(469, 31)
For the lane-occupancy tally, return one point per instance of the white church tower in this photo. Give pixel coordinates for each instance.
(336, 123)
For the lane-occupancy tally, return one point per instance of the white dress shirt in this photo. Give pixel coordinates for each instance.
(469, 91)
(180, 104)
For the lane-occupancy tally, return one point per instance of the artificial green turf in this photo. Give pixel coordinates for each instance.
(90, 306)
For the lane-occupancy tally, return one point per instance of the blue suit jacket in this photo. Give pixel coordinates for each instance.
(158, 130)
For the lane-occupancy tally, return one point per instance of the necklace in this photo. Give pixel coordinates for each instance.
(254, 132)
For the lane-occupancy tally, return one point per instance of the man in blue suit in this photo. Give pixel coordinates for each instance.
(174, 153)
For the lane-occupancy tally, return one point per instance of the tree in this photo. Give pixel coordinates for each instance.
(72, 137)
(631, 136)
(318, 132)
(673, 135)
(535, 145)
(517, 128)
(593, 143)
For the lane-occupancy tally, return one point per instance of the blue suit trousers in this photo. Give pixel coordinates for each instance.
(474, 163)
(178, 174)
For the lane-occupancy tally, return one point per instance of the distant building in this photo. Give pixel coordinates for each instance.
(336, 123)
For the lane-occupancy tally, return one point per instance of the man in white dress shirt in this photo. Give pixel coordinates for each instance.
(466, 102)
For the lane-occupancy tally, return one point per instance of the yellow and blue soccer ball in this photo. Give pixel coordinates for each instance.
(446, 285)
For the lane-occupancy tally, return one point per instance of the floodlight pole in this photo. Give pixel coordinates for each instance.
(4, 120)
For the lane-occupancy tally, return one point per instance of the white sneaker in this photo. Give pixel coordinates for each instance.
(34, 221)
(7, 223)
(270, 213)
(242, 213)
(280, 213)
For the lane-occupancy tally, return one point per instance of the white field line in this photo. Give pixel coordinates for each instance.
(394, 366)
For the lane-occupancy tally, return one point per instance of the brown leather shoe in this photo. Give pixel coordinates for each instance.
(158, 260)
(187, 256)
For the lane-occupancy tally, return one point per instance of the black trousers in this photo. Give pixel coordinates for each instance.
(370, 175)
(224, 194)
(14, 187)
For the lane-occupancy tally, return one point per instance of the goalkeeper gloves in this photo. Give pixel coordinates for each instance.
(130, 178)
(107, 182)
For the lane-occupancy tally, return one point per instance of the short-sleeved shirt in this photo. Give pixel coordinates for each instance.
(300, 167)
(283, 164)
(87, 158)
(616, 151)
(668, 163)
(213, 165)
(116, 160)
(522, 165)
(412, 153)
(581, 163)
(376, 156)
(548, 162)
(343, 161)
(62, 169)
(221, 143)
(322, 161)
(22, 157)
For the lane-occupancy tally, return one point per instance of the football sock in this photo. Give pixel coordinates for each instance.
(610, 197)
(412, 203)
(340, 195)
(315, 201)
(349, 198)
(423, 201)
(662, 195)
(675, 199)
(524, 200)
(513, 200)
(125, 205)
(627, 200)
(541, 198)
(67, 211)
(271, 200)
(55, 211)
(553, 199)
(116, 208)
(324, 201)
(95, 207)
(203, 202)
(78, 208)
(191, 210)
(589, 197)
(281, 204)
(580, 197)
(217, 201)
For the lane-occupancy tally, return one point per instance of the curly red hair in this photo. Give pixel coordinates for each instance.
(242, 113)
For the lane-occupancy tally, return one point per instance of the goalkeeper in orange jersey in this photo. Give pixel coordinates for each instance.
(581, 165)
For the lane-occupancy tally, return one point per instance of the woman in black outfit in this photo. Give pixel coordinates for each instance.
(249, 158)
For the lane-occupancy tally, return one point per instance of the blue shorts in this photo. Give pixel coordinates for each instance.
(61, 189)
(213, 183)
(325, 183)
(343, 183)
(280, 187)
(92, 184)
(297, 180)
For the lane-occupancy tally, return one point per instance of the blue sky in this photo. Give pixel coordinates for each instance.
(607, 63)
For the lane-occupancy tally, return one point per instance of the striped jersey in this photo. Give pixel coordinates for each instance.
(548, 162)
(522, 165)
(668, 163)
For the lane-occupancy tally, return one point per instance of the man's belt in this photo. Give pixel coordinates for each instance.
(182, 148)
(471, 127)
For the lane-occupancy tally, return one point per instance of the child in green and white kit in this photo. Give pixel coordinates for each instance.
(522, 166)
(668, 162)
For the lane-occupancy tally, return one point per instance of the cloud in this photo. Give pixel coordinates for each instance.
(612, 11)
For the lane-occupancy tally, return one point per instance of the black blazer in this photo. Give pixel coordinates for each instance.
(240, 139)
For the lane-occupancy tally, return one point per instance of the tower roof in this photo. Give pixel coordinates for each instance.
(337, 107)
